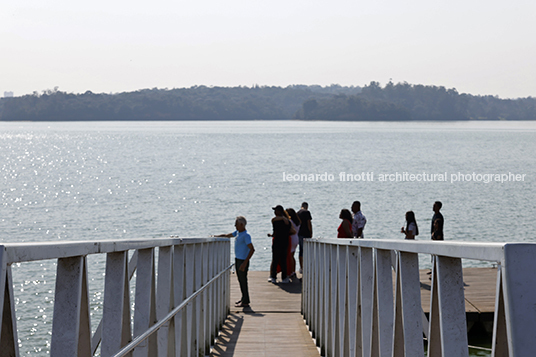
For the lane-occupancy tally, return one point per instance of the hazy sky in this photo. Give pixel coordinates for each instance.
(475, 46)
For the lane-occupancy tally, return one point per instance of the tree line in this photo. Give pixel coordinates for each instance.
(405, 101)
(194, 103)
(401, 101)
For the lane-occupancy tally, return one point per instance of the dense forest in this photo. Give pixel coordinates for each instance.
(404, 101)
(195, 103)
(373, 102)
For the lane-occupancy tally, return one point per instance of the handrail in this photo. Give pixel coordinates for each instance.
(465, 250)
(32, 251)
(191, 272)
(354, 308)
(125, 350)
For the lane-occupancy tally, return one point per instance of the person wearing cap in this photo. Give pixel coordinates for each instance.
(243, 251)
(282, 229)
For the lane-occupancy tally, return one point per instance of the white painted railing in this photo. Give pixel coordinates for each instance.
(180, 303)
(350, 307)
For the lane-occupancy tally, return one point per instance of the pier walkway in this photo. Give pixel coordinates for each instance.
(271, 326)
(274, 326)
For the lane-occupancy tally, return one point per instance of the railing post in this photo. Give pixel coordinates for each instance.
(384, 301)
(166, 334)
(333, 299)
(519, 286)
(211, 334)
(203, 303)
(190, 312)
(325, 291)
(8, 322)
(116, 306)
(313, 285)
(407, 340)
(179, 294)
(227, 251)
(367, 299)
(217, 291)
(198, 260)
(219, 288)
(317, 284)
(305, 295)
(71, 334)
(448, 285)
(354, 314)
(499, 342)
(145, 302)
(342, 338)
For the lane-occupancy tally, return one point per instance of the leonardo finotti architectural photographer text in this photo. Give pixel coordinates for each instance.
(369, 176)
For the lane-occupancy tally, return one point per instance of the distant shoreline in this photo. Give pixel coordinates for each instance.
(392, 103)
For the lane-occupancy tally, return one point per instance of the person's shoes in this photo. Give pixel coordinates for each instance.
(242, 305)
(285, 281)
(238, 302)
(430, 272)
(272, 280)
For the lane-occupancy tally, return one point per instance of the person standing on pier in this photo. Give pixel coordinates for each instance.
(282, 229)
(359, 221)
(243, 251)
(345, 228)
(306, 229)
(411, 230)
(437, 222)
(294, 241)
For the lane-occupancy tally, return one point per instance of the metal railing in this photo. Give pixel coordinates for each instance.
(354, 308)
(181, 297)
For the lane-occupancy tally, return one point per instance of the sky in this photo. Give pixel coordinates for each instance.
(476, 46)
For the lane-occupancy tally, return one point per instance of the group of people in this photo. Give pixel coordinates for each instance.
(290, 228)
(353, 223)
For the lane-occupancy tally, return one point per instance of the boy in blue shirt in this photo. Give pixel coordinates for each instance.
(243, 252)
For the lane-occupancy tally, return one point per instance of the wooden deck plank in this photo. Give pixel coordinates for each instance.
(273, 325)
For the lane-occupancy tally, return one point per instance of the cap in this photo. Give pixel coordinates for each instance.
(278, 208)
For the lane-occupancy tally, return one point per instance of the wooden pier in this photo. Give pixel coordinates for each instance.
(274, 326)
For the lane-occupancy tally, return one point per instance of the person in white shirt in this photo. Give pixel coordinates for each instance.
(411, 230)
(359, 221)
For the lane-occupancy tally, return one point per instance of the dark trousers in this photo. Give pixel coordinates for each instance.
(242, 280)
(279, 256)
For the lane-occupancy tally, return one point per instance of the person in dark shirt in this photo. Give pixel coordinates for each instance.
(282, 229)
(437, 222)
(306, 229)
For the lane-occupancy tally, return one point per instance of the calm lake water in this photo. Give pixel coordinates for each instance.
(123, 180)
